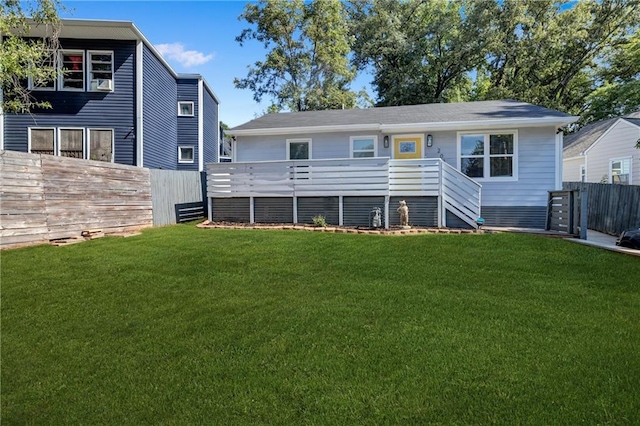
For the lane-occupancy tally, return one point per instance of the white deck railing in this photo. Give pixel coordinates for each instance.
(349, 177)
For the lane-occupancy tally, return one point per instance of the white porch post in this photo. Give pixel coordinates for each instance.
(386, 211)
(210, 208)
(295, 209)
(252, 218)
(340, 211)
(442, 221)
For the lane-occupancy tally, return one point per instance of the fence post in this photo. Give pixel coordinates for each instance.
(583, 214)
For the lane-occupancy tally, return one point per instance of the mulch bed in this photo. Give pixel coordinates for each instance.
(393, 230)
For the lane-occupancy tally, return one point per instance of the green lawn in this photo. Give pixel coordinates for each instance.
(198, 326)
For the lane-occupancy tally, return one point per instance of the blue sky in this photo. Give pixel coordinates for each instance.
(194, 37)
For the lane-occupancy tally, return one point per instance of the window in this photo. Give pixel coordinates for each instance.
(101, 145)
(185, 109)
(42, 141)
(620, 171)
(71, 143)
(44, 82)
(100, 70)
(72, 70)
(363, 146)
(185, 154)
(583, 173)
(488, 155)
(298, 149)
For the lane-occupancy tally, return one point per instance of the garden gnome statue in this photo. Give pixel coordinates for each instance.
(404, 214)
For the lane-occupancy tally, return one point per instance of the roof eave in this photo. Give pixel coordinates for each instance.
(411, 127)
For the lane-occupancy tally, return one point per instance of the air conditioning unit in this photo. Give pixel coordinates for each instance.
(102, 84)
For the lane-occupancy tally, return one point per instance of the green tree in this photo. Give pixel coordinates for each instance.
(22, 58)
(420, 51)
(549, 52)
(619, 90)
(307, 65)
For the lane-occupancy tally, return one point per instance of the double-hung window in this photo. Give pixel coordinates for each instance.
(100, 70)
(42, 141)
(71, 143)
(101, 145)
(72, 69)
(44, 77)
(620, 171)
(363, 146)
(488, 155)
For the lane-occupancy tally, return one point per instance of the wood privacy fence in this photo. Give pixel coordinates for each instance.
(43, 197)
(178, 196)
(610, 208)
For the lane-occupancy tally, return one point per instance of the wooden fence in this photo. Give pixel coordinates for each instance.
(178, 196)
(45, 197)
(610, 208)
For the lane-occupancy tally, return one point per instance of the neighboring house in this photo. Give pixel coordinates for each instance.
(450, 162)
(604, 152)
(117, 100)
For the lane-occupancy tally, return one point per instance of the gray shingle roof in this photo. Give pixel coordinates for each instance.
(409, 114)
(576, 143)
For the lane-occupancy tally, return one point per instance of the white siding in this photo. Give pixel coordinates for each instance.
(618, 142)
(536, 159)
(571, 169)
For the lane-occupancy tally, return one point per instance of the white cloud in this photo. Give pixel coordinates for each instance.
(187, 58)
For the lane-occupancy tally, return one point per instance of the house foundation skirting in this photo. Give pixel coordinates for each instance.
(337, 210)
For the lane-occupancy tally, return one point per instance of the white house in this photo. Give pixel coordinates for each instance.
(604, 152)
(452, 163)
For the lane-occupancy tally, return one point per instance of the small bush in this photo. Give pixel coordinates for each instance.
(319, 221)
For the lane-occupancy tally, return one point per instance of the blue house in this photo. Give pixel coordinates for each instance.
(118, 100)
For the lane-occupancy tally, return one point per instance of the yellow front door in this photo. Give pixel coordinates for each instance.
(406, 147)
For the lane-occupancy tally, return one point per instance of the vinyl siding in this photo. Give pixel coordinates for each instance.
(536, 159)
(571, 170)
(619, 142)
(188, 126)
(273, 209)
(357, 210)
(211, 127)
(514, 216)
(160, 114)
(309, 207)
(111, 110)
(423, 211)
(230, 209)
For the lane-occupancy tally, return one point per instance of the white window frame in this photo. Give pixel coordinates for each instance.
(298, 140)
(583, 173)
(61, 70)
(487, 156)
(88, 142)
(193, 109)
(613, 160)
(193, 156)
(90, 69)
(59, 140)
(55, 138)
(375, 145)
(35, 88)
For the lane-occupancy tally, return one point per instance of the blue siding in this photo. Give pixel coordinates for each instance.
(188, 126)
(160, 114)
(211, 128)
(114, 110)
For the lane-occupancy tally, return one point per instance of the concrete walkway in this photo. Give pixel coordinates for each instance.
(605, 241)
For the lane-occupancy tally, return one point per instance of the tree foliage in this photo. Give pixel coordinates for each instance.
(307, 65)
(578, 57)
(420, 51)
(22, 58)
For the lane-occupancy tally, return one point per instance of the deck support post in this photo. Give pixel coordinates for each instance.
(442, 221)
(252, 215)
(340, 211)
(210, 208)
(386, 211)
(295, 210)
